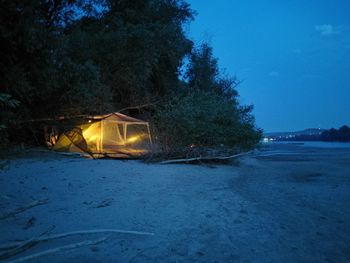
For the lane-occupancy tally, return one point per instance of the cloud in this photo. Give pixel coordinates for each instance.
(274, 74)
(327, 30)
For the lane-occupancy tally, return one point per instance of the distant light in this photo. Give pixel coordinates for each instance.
(89, 121)
(266, 139)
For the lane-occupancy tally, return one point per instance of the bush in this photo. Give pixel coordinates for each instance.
(205, 119)
(7, 104)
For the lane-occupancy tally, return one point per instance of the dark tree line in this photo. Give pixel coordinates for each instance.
(71, 57)
(332, 135)
(340, 135)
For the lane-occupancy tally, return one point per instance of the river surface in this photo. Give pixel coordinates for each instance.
(317, 144)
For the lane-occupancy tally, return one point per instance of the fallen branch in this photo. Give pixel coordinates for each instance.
(76, 154)
(59, 249)
(57, 118)
(196, 159)
(74, 233)
(24, 208)
(23, 246)
(137, 107)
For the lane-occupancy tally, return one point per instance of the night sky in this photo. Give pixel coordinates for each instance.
(293, 57)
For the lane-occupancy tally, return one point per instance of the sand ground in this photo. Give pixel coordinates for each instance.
(287, 204)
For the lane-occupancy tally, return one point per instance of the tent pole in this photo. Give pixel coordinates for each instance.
(101, 137)
(125, 127)
(149, 134)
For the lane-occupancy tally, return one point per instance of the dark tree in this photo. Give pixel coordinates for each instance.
(71, 57)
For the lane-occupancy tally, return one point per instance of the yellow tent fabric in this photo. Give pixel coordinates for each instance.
(64, 144)
(112, 135)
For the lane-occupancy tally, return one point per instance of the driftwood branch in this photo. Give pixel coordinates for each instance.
(24, 208)
(74, 233)
(59, 249)
(23, 246)
(59, 118)
(76, 154)
(196, 159)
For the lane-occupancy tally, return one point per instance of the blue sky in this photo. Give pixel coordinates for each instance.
(293, 57)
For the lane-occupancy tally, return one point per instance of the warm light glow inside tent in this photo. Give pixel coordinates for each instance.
(113, 135)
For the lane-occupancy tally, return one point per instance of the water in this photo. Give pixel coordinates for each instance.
(319, 144)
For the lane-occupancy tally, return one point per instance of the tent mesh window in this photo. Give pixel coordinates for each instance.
(137, 136)
(112, 135)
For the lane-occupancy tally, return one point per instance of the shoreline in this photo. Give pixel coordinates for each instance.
(286, 204)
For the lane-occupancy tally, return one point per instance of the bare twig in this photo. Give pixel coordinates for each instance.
(24, 208)
(195, 159)
(74, 233)
(60, 118)
(59, 249)
(137, 107)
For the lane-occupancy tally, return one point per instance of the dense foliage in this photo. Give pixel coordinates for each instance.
(341, 135)
(70, 57)
(7, 103)
(207, 112)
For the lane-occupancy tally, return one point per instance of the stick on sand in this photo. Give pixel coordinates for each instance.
(24, 208)
(74, 233)
(214, 158)
(59, 249)
(12, 250)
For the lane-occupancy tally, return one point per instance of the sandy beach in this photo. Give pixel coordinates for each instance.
(286, 203)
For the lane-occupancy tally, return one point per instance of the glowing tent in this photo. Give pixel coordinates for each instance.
(112, 135)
